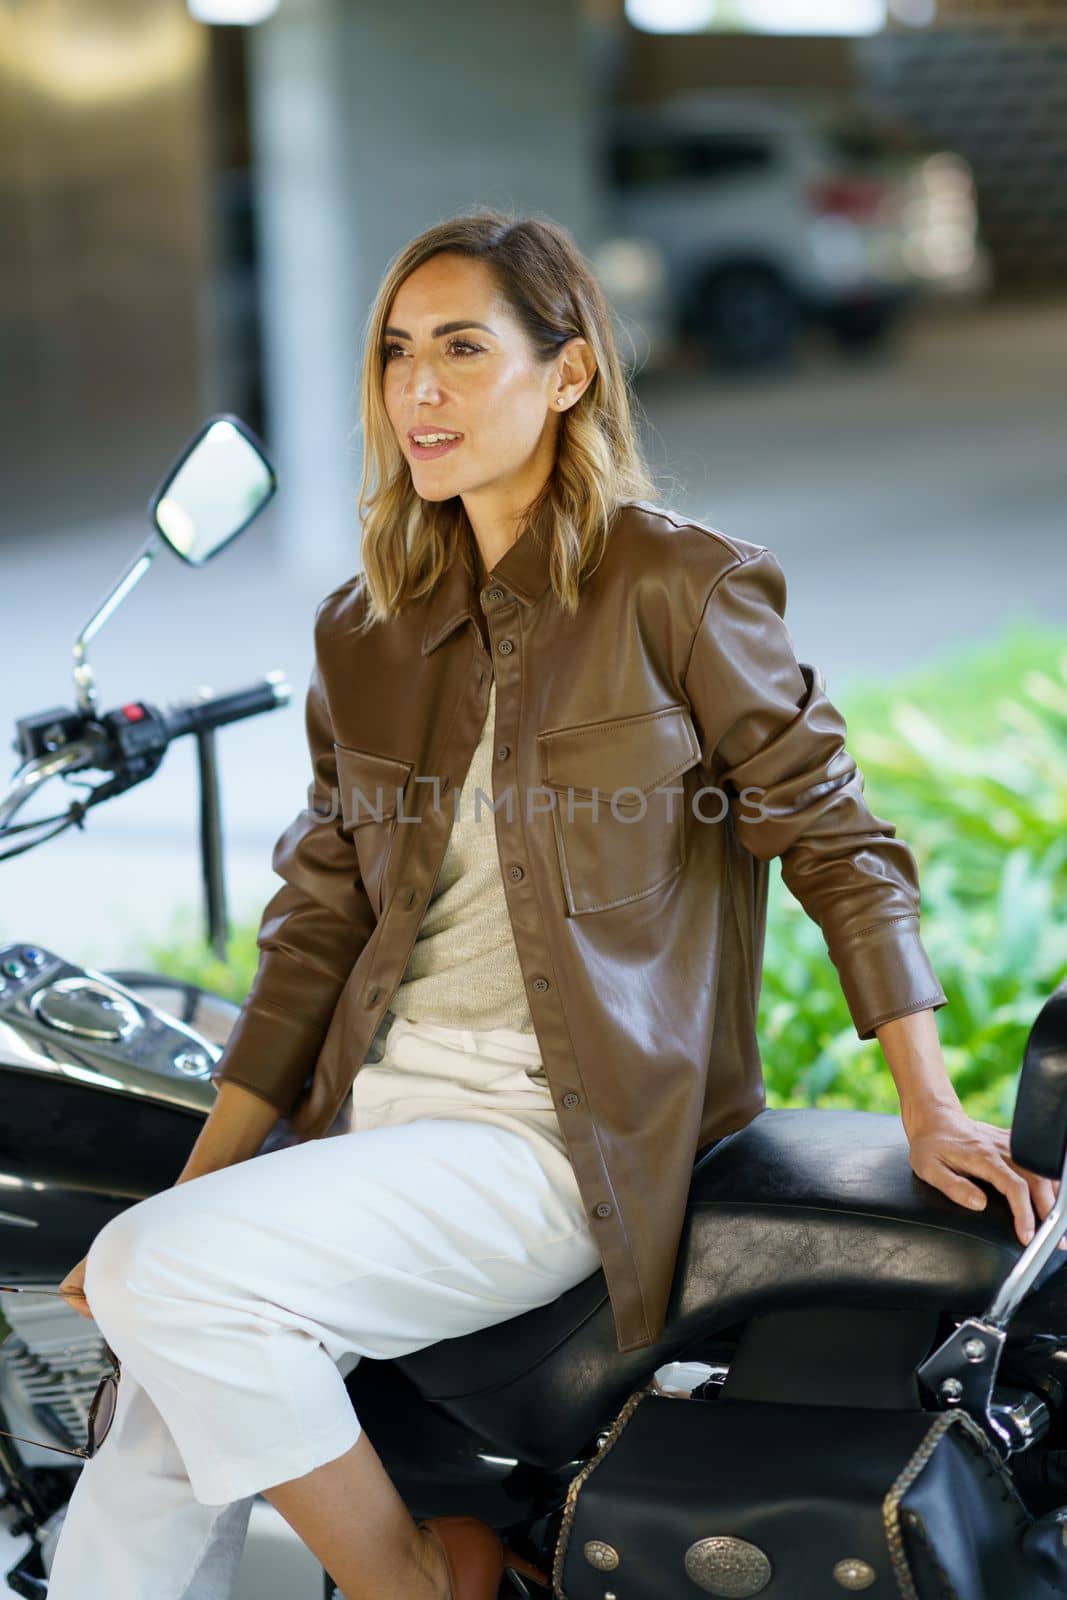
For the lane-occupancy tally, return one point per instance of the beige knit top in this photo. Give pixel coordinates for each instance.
(458, 1040)
(464, 969)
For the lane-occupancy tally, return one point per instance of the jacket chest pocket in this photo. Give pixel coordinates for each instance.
(634, 841)
(371, 788)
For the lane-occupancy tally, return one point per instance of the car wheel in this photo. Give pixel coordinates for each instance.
(745, 316)
(863, 327)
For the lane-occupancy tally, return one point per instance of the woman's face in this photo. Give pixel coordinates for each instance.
(456, 361)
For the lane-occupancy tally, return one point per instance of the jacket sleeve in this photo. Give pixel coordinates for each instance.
(311, 934)
(766, 725)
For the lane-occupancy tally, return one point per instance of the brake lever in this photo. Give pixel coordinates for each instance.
(34, 774)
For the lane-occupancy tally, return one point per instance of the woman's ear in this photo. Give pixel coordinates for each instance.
(575, 371)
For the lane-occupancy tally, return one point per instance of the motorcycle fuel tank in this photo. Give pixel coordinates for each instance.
(103, 1097)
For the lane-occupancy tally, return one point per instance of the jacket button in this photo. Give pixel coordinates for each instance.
(603, 1209)
(496, 593)
(515, 873)
(540, 984)
(505, 647)
(570, 1101)
(503, 751)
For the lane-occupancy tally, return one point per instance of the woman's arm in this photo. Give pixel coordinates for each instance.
(775, 744)
(912, 1050)
(779, 737)
(311, 933)
(236, 1127)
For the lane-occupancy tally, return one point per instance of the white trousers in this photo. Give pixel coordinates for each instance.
(236, 1300)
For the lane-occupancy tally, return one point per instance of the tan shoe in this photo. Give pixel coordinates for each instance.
(477, 1557)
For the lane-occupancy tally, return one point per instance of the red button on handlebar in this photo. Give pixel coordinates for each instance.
(134, 712)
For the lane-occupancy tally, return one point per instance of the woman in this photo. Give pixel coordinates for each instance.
(518, 1022)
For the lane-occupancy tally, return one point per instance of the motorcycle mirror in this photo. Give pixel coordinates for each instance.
(215, 487)
(219, 483)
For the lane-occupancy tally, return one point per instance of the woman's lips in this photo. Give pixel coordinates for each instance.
(424, 453)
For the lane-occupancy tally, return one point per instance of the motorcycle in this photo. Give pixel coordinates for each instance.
(106, 1074)
(860, 1385)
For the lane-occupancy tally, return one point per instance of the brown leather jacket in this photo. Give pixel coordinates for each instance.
(676, 695)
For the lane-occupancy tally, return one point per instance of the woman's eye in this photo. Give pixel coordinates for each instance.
(453, 344)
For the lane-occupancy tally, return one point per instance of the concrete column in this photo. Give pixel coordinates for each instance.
(371, 122)
(308, 287)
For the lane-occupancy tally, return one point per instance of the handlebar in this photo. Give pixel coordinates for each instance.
(128, 743)
(198, 716)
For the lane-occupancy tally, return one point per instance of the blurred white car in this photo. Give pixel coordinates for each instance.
(773, 210)
(633, 275)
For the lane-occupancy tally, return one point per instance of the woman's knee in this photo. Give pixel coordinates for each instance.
(122, 1261)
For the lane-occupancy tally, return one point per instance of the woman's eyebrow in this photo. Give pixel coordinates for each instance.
(440, 330)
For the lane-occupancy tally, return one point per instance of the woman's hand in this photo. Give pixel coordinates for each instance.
(948, 1144)
(73, 1286)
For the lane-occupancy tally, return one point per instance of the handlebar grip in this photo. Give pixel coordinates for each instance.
(198, 716)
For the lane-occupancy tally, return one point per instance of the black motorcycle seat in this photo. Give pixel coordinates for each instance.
(798, 1208)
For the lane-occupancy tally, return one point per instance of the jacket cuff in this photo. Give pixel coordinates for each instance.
(270, 1052)
(886, 973)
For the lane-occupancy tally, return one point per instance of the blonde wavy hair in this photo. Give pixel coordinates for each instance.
(554, 295)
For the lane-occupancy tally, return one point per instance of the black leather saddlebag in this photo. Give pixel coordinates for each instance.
(737, 1497)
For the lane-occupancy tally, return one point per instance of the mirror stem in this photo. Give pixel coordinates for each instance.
(212, 871)
(83, 672)
(1024, 1273)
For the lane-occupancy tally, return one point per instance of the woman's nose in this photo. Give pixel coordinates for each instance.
(425, 379)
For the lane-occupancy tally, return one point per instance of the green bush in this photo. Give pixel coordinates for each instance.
(184, 954)
(968, 760)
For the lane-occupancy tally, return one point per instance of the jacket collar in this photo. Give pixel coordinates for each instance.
(523, 568)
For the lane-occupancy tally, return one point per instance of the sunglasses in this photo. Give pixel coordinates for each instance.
(102, 1408)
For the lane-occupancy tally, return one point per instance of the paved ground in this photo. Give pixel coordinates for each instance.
(915, 502)
(276, 1564)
